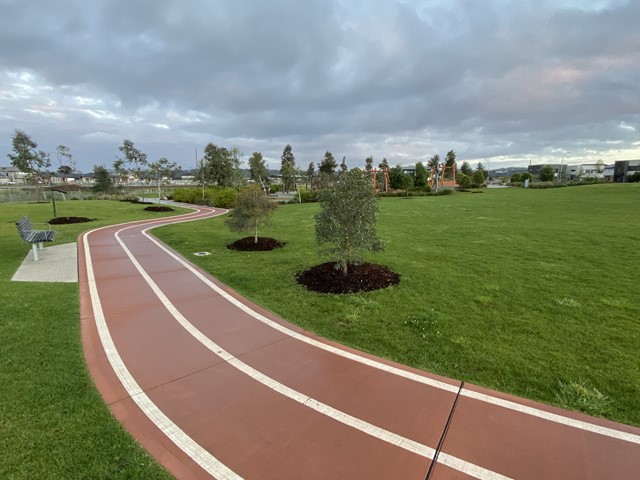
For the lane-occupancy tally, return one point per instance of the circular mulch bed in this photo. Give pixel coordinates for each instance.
(68, 220)
(248, 244)
(362, 277)
(159, 208)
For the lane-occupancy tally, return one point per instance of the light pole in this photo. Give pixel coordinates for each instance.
(561, 163)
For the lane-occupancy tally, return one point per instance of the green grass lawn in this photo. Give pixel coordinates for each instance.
(531, 292)
(53, 422)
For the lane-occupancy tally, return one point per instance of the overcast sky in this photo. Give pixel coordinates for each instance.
(505, 82)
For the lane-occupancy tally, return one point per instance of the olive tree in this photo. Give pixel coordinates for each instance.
(253, 209)
(347, 219)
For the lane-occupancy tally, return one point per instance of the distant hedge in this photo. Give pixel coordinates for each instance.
(213, 196)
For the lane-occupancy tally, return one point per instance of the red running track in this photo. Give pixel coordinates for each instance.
(215, 386)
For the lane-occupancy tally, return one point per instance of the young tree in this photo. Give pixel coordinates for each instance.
(328, 164)
(478, 178)
(347, 219)
(421, 176)
(253, 209)
(407, 182)
(134, 158)
(368, 164)
(516, 177)
(65, 159)
(396, 175)
(599, 169)
(288, 169)
(311, 171)
(450, 161)
(121, 171)
(343, 165)
(434, 165)
(221, 166)
(27, 159)
(162, 169)
(527, 176)
(258, 169)
(547, 173)
(484, 171)
(466, 169)
(101, 179)
(463, 180)
(382, 176)
(327, 169)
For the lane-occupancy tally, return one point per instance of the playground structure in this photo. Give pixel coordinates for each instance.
(374, 178)
(442, 182)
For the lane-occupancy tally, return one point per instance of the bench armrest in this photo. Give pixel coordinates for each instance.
(43, 223)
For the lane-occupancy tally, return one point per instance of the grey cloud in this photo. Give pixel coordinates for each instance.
(503, 79)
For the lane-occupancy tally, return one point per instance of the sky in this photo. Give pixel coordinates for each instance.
(504, 82)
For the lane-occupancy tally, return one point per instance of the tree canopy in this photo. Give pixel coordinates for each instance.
(258, 168)
(134, 158)
(421, 176)
(288, 169)
(547, 173)
(347, 219)
(253, 209)
(221, 166)
(27, 158)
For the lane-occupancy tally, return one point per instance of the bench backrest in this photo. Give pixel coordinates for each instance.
(24, 226)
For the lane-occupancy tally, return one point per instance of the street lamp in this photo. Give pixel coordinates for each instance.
(561, 163)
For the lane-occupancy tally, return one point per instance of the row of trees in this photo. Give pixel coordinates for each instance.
(346, 221)
(221, 166)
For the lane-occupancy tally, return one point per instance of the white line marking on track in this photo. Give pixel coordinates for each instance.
(200, 455)
(535, 412)
(333, 413)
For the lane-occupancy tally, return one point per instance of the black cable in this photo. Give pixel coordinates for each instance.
(444, 434)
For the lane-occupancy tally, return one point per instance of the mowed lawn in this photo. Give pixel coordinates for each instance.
(517, 290)
(53, 422)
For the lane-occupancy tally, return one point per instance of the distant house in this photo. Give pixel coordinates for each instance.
(12, 176)
(624, 169)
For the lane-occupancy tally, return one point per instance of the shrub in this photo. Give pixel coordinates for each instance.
(275, 188)
(306, 196)
(223, 197)
(541, 185)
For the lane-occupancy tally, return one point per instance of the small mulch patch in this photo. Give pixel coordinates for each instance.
(159, 208)
(362, 277)
(68, 220)
(248, 244)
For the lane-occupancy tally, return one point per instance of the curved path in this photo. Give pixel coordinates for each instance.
(215, 386)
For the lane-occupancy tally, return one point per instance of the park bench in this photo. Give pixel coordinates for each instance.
(35, 237)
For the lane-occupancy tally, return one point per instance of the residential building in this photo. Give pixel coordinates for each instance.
(624, 169)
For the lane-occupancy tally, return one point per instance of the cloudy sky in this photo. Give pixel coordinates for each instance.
(506, 82)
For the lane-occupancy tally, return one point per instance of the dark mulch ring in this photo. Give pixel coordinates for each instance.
(362, 277)
(68, 220)
(248, 244)
(159, 208)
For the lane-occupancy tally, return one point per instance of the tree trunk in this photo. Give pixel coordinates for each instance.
(345, 270)
(255, 239)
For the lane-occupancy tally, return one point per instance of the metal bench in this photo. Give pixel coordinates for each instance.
(35, 237)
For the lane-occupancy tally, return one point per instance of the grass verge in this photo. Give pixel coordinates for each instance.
(518, 290)
(53, 422)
